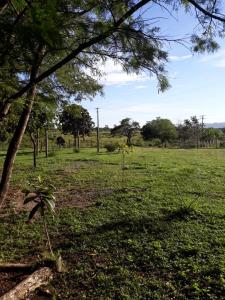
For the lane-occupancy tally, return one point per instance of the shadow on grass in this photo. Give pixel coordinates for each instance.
(182, 213)
(20, 153)
(118, 230)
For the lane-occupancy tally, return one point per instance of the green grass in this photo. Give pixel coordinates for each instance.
(152, 231)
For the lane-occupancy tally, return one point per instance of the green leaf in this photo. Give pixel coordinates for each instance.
(39, 179)
(50, 204)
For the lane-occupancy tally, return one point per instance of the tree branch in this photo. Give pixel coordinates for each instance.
(206, 12)
(75, 52)
(3, 5)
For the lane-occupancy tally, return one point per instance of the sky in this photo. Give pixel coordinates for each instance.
(197, 83)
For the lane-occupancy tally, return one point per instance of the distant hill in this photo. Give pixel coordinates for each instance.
(215, 125)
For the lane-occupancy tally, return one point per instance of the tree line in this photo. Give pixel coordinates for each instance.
(191, 133)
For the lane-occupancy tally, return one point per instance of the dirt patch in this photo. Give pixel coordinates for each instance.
(8, 280)
(14, 201)
(79, 198)
(64, 198)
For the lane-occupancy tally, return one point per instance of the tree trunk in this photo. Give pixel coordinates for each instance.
(12, 267)
(34, 150)
(4, 110)
(21, 127)
(74, 142)
(46, 142)
(38, 143)
(78, 140)
(15, 144)
(129, 141)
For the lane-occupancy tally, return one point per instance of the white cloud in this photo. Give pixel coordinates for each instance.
(179, 58)
(115, 75)
(216, 60)
(140, 87)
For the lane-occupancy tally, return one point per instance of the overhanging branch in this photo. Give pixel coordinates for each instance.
(75, 52)
(206, 12)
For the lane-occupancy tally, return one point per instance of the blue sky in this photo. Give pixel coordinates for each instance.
(197, 84)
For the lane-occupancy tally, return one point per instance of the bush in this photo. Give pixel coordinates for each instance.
(138, 141)
(155, 143)
(111, 147)
(222, 144)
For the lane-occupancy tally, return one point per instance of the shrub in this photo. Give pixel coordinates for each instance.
(138, 141)
(155, 143)
(222, 144)
(111, 147)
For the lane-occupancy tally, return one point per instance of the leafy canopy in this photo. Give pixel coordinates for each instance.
(75, 119)
(159, 128)
(55, 36)
(127, 127)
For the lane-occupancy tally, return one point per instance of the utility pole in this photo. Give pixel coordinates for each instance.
(202, 124)
(202, 118)
(98, 147)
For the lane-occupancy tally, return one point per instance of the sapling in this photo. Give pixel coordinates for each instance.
(42, 194)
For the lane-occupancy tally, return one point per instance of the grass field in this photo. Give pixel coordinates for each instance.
(152, 230)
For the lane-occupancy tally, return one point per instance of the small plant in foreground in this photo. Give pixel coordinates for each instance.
(42, 194)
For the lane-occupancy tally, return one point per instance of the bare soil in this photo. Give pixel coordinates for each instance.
(8, 280)
(79, 198)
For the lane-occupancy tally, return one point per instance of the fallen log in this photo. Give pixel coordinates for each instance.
(29, 285)
(15, 267)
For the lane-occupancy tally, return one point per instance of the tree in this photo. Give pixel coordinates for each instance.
(29, 44)
(190, 131)
(40, 38)
(41, 117)
(212, 136)
(126, 127)
(159, 128)
(76, 120)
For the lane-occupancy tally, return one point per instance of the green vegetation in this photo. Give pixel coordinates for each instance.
(162, 129)
(55, 49)
(160, 236)
(126, 128)
(41, 194)
(75, 119)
